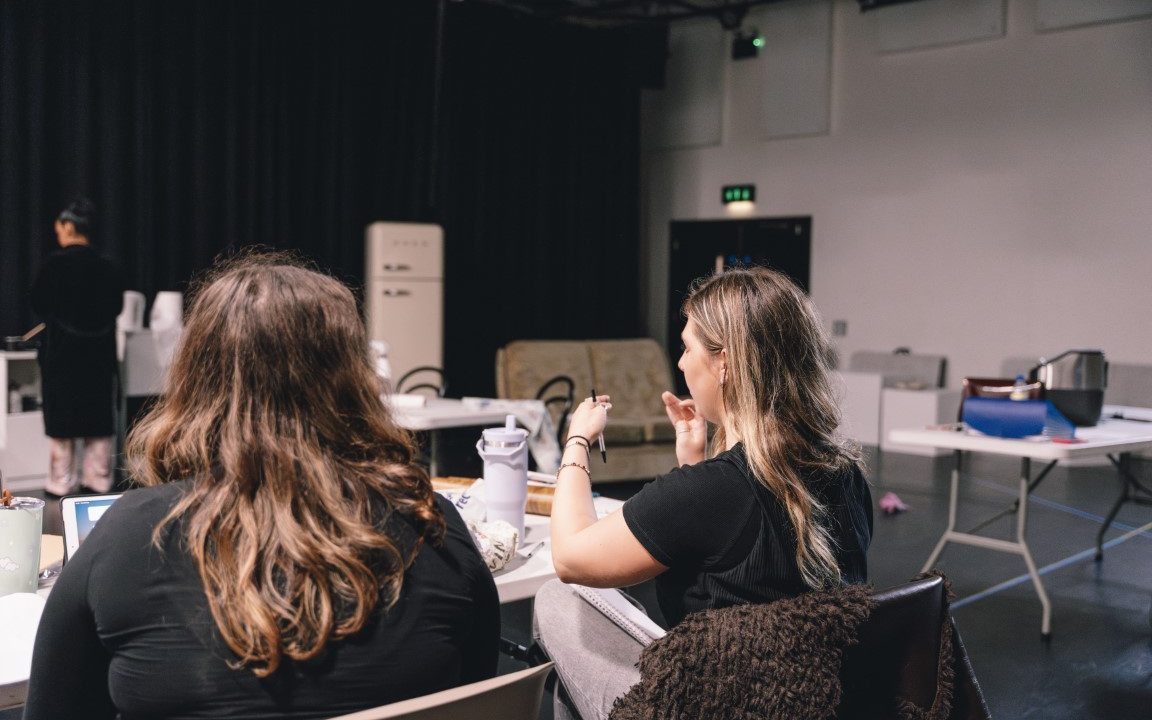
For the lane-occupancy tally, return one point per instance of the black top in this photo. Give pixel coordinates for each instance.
(127, 628)
(727, 540)
(79, 294)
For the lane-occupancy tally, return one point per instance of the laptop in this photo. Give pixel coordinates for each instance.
(81, 513)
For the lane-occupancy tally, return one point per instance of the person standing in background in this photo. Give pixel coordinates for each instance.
(78, 293)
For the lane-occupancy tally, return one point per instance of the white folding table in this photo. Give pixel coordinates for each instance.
(521, 578)
(440, 414)
(1116, 439)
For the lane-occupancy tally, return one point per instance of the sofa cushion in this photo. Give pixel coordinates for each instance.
(633, 431)
(658, 429)
(623, 431)
(634, 372)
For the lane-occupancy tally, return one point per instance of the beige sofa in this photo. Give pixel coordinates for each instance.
(640, 440)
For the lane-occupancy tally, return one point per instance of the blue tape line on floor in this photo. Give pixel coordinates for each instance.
(1070, 560)
(1032, 497)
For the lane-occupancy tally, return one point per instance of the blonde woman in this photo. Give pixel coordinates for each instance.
(779, 508)
(286, 558)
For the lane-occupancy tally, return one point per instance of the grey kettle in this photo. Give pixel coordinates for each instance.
(1074, 381)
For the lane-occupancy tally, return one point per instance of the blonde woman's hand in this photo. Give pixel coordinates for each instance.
(691, 428)
(589, 418)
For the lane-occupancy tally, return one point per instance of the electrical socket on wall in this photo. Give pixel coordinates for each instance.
(839, 328)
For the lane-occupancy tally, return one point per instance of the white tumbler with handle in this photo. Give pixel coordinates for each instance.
(504, 451)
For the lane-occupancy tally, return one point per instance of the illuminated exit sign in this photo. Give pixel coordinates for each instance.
(738, 193)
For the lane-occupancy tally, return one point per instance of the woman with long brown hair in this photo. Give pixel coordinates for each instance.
(286, 557)
(779, 509)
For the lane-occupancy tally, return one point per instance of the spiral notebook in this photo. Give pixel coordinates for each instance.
(619, 610)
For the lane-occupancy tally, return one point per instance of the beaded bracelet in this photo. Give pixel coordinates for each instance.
(574, 464)
(577, 443)
(574, 441)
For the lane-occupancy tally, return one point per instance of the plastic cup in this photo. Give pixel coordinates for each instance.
(21, 527)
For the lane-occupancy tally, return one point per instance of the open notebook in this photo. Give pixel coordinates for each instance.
(619, 610)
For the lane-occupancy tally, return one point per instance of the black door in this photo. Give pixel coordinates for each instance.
(701, 247)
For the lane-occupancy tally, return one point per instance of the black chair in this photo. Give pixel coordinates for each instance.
(416, 379)
(563, 396)
(904, 649)
(908, 662)
(430, 380)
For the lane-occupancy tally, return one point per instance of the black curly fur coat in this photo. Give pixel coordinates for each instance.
(777, 660)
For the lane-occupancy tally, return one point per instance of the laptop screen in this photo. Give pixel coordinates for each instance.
(81, 513)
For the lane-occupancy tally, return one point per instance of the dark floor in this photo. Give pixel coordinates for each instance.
(1098, 663)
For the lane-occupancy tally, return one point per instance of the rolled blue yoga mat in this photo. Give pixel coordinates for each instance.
(1005, 418)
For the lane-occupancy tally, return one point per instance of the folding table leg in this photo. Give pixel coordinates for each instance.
(952, 501)
(1021, 528)
(1131, 490)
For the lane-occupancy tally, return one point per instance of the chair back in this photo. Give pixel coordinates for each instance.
(902, 368)
(1129, 384)
(515, 696)
(899, 656)
(425, 377)
(558, 395)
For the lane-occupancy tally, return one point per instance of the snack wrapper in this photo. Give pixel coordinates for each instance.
(497, 541)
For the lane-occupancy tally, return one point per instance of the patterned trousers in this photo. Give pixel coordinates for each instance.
(95, 472)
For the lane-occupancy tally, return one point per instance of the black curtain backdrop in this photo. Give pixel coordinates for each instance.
(540, 186)
(198, 127)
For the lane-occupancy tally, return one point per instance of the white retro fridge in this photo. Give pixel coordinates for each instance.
(404, 292)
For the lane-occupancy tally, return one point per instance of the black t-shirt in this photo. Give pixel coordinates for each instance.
(727, 540)
(127, 629)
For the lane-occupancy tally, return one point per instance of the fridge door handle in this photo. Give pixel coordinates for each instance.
(395, 292)
(394, 267)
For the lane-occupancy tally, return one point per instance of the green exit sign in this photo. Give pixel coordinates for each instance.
(738, 193)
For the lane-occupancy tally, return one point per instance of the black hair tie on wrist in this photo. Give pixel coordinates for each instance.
(576, 437)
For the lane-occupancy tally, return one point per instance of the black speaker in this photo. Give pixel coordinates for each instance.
(746, 44)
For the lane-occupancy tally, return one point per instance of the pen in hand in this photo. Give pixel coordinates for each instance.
(600, 440)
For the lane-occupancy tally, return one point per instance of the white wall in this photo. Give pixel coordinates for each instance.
(978, 200)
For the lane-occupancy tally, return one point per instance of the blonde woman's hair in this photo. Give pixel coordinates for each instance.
(272, 412)
(777, 397)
